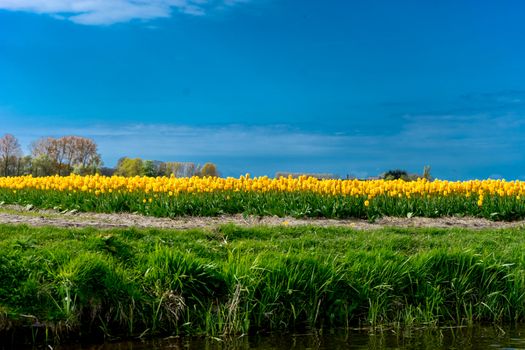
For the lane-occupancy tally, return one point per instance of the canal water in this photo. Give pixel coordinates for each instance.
(444, 338)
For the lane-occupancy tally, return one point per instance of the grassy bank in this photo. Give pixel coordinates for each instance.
(58, 283)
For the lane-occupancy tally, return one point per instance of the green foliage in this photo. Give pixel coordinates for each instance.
(41, 165)
(236, 280)
(130, 167)
(396, 174)
(404, 175)
(150, 169)
(209, 169)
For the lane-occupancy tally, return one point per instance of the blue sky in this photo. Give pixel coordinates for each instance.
(260, 86)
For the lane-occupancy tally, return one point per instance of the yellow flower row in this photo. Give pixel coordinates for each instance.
(171, 185)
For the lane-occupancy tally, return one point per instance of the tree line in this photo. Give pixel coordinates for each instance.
(138, 167)
(79, 155)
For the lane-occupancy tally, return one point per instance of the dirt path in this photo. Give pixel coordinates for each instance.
(12, 214)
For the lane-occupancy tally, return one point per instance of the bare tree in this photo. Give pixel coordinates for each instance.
(62, 148)
(173, 168)
(68, 149)
(86, 153)
(10, 152)
(65, 155)
(45, 156)
(190, 169)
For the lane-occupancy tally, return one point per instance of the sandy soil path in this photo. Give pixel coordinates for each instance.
(12, 214)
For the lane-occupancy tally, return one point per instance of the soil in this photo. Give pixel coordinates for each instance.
(14, 214)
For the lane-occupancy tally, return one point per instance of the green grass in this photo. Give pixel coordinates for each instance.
(61, 283)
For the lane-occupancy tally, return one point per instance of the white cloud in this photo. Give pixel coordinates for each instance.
(106, 12)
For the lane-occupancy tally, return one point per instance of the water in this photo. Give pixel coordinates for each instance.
(444, 338)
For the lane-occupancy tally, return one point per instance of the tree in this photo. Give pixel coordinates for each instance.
(84, 158)
(66, 154)
(24, 165)
(172, 168)
(105, 171)
(150, 169)
(86, 154)
(10, 152)
(395, 174)
(209, 169)
(190, 169)
(426, 173)
(46, 156)
(179, 169)
(130, 167)
(154, 168)
(41, 165)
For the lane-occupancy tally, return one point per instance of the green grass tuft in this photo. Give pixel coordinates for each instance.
(60, 283)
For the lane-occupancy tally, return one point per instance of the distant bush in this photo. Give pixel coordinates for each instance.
(130, 167)
(316, 175)
(396, 174)
(209, 169)
(404, 175)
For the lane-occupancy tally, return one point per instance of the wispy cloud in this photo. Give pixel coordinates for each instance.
(106, 12)
(172, 141)
(236, 148)
(474, 139)
(455, 146)
(505, 98)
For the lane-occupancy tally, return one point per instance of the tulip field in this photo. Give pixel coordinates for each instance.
(297, 197)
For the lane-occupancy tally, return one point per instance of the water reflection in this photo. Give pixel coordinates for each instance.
(444, 338)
